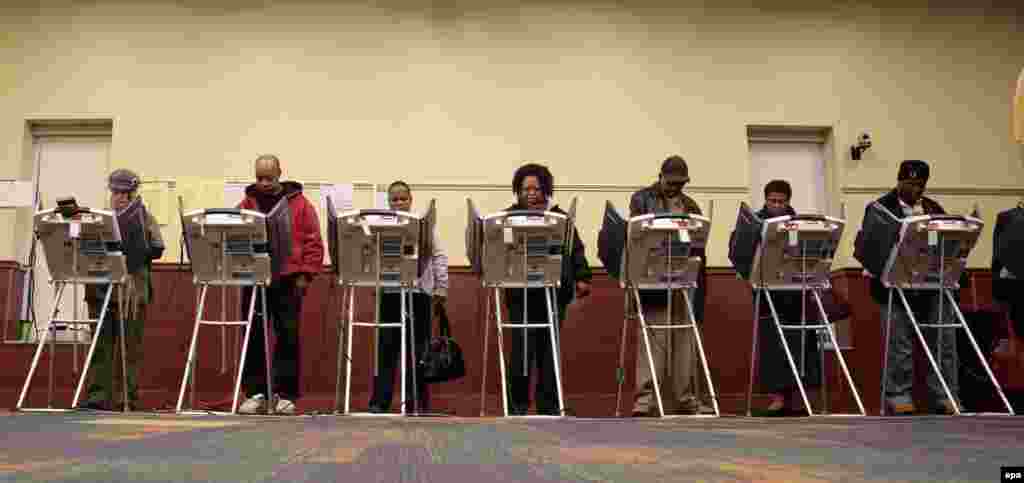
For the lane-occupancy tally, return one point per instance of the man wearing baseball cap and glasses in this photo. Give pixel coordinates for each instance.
(673, 351)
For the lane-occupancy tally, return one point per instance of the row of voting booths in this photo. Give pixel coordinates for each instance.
(662, 252)
(231, 249)
(795, 253)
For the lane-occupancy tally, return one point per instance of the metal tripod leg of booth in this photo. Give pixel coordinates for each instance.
(789, 354)
(92, 347)
(650, 356)
(977, 351)
(827, 326)
(499, 324)
(348, 347)
(550, 325)
(486, 351)
(961, 323)
(753, 349)
(927, 350)
(376, 324)
(620, 372)
(556, 345)
(700, 351)
(342, 337)
(885, 352)
(413, 354)
(191, 361)
(403, 355)
(670, 325)
(50, 333)
(123, 304)
(830, 330)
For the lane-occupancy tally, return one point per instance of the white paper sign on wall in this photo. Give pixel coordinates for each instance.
(15, 194)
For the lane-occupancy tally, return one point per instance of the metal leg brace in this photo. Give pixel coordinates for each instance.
(960, 323)
(50, 332)
(377, 325)
(550, 325)
(780, 328)
(191, 362)
(670, 325)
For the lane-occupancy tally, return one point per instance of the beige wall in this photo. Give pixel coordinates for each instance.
(453, 98)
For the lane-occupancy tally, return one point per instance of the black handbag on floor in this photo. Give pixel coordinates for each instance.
(442, 361)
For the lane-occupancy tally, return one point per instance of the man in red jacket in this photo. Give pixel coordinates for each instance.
(297, 255)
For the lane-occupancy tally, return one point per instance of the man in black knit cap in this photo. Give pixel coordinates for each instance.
(907, 199)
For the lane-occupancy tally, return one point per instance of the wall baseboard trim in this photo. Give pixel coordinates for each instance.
(477, 186)
(1007, 191)
(977, 190)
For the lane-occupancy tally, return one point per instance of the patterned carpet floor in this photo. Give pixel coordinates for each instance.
(162, 447)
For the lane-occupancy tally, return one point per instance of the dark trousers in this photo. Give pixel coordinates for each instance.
(284, 303)
(389, 346)
(900, 372)
(773, 369)
(537, 352)
(774, 373)
(105, 365)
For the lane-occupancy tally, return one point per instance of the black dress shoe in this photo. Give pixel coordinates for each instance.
(93, 403)
(516, 411)
(769, 412)
(377, 409)
(91, 406)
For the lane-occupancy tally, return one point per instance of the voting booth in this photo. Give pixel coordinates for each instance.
(520, 250)
(656, 252)
(790, 253)
(386, 250)
(228, 248)
(82, 249)
(923, 253)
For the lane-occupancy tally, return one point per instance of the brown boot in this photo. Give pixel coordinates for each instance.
(900, 408)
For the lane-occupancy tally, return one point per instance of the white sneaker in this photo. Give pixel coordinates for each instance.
(284, 406)
(253, 405)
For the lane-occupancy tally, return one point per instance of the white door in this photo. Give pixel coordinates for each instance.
(802, 164)
(68, 166)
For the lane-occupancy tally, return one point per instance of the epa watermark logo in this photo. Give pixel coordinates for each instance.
(1011, 473)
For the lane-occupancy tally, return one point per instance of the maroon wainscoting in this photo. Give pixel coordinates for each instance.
(10, 294)
(591, 337)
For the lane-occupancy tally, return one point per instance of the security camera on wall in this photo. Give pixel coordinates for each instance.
(863, 143)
